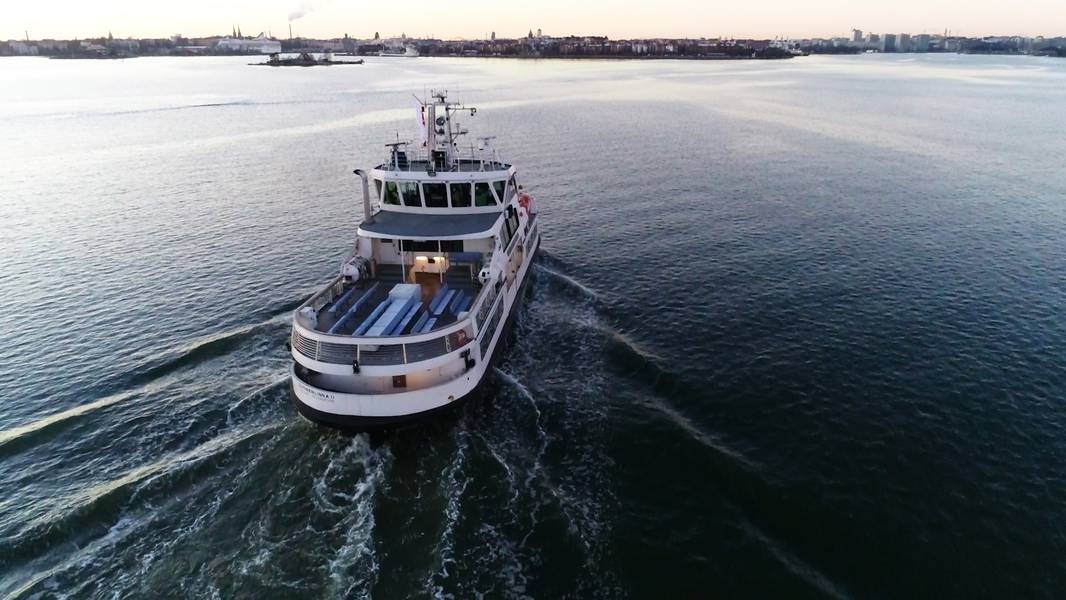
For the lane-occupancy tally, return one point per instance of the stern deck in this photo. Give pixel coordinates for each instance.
(375, 306)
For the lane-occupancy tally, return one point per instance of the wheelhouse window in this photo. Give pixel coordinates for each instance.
(433, 245)
(392, 193)
(377, 188)
(511, 222)
(483, 195)
(512, 189)
(460, 194)
(505, 236)
(436, 195)
(409, 190)
(498, 187)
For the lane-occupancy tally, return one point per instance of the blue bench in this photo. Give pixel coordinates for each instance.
(429, 325)
(406, 319)
(464, 305)
(417, 327)
(444, 303)
(391, 317)
(453, 307)
(355, 308)
(340, 301)
(437, 299)
(369, 321)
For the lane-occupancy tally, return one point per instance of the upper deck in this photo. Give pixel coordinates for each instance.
(361, 308)
(402, 161)
(439, 152)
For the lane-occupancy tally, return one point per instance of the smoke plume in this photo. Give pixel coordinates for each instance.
(305, 9)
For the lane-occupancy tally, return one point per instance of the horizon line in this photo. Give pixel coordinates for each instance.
(947, 32)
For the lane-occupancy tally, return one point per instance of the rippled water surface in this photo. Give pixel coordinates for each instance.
(797, 329)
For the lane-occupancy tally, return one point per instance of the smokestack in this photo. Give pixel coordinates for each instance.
(290, 31)
(367, 215)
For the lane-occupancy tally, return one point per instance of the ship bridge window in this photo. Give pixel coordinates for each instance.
(409, 191)
(460, 194)
(483, 195)
(498, 187)
(392, 193)
(512, 188)
(433, 246)
(436, 195)
(505, 236)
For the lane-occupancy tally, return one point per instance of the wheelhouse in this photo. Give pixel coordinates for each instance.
(466, 191)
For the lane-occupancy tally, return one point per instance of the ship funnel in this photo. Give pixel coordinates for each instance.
(367, 215)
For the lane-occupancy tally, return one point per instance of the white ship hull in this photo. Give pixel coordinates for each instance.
(420, 309)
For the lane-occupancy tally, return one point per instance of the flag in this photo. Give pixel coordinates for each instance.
(422, 129)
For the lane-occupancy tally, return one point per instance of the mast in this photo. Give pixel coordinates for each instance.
(440, 134)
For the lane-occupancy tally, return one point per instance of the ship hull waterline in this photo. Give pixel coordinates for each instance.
(361, 423)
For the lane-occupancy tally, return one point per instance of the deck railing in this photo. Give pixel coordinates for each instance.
(377, 355)
(484, 315)
(385, 351)
(419, 160)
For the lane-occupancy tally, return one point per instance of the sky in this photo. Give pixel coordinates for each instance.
(64, 19)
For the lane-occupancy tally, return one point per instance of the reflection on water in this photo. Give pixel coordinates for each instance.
(796, 331)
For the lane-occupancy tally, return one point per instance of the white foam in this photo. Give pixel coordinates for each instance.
(357, 552)
(453, 485)
(794, 564)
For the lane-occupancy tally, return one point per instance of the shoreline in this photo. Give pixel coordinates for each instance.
(566, 58)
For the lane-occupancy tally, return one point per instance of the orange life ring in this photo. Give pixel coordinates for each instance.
(523, 201)
(460, 337)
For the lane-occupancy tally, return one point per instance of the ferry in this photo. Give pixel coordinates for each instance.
(416, 315)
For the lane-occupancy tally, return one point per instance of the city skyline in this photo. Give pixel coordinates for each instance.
(66, 19)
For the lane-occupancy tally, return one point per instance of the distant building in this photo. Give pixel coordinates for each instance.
(921, 42)
(88, 47)
(904, 43)
(122, 46)
(888, 42)
(23, 48)
(856, 36)
(260, 44)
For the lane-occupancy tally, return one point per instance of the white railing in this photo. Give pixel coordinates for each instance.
(381, 350)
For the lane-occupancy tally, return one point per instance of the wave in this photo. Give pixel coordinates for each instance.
(192, 353)
(202, 349)
(106, 501)
(190, 107)
(567, 281)
(154, 109)
(548, 428)
(542, 435)
(17, 438)
(354, 565)
(705, 438)
(238, 409)
(634, 362)
(793, 564)
(453, 485)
